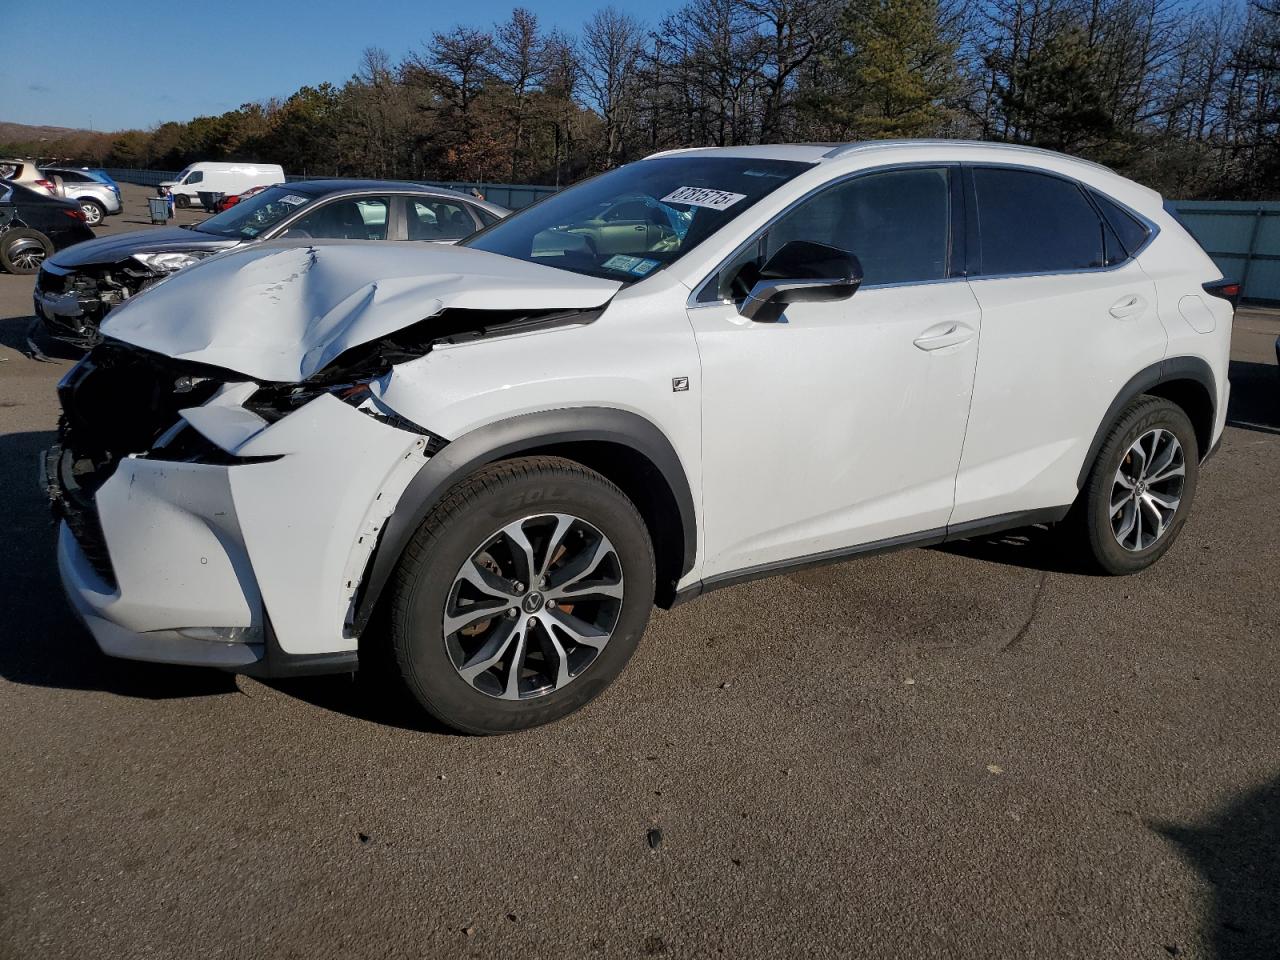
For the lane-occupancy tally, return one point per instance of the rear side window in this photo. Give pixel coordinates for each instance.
(1131, 233)
(1034, 223)
(438, 220)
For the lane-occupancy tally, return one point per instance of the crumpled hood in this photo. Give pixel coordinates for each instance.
(123, 246)
(283, 310)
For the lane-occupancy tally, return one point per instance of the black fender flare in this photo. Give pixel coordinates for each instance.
(1171, 368)
(497, 441)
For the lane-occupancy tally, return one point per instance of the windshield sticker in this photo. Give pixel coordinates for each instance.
(703, 197)
(293, 199)
(624, 263)
(643, 267)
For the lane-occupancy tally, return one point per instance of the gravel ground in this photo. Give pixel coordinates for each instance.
(963, 752)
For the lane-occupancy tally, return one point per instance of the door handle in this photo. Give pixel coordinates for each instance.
(944, 335)
(1129, 305)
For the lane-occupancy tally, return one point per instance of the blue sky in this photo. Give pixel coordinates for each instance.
(111, 65)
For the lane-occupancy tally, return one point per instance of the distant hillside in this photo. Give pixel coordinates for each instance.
(24, 133)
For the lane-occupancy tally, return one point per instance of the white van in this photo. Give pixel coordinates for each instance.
(228, 178)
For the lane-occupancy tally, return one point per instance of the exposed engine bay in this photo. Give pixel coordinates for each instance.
(73, 303)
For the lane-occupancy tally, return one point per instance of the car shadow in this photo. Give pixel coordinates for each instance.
(44, 645)
(1255, 396)
(1033, 548)
(24, 335)
(368, 695)
(1236, 850)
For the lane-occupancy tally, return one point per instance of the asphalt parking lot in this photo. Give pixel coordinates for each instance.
(968, 752)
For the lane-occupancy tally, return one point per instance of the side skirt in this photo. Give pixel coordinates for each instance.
(926, 538)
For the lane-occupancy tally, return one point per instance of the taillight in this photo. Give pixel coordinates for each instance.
(76, 214)
(48, 185)
(1228, 290)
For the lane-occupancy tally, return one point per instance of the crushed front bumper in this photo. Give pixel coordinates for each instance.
(251, 564)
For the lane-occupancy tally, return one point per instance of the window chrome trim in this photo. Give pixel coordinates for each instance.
(1153, 228)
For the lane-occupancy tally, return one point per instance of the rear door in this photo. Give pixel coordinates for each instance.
(1067, 319)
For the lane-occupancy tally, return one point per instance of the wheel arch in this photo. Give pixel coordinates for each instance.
(1185, 381)
(628, 449)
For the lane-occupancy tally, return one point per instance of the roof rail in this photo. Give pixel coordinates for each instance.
(858, 146)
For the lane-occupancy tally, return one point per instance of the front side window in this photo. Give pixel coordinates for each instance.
(348, 219)
(249, 218)
(627, 223)
(1034, 223)
(896, 222)
(195, 176)
(438, 220)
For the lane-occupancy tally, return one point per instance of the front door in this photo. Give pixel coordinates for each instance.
(842, 423)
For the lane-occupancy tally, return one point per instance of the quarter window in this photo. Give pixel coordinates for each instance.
(1034, 223)
(1130, 232)
(897, 223)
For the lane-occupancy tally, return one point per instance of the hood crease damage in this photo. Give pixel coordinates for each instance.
(284, 312)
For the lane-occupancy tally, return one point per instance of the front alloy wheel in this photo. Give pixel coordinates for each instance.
(533, 607)
(521, 596)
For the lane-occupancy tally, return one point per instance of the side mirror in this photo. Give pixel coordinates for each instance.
(801, 272)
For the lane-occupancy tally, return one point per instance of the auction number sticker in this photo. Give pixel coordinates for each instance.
(703, 197)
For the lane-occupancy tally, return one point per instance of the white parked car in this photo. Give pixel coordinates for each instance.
(488, 462)
(210, 177)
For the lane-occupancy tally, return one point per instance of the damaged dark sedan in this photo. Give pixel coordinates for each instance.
(77, 288)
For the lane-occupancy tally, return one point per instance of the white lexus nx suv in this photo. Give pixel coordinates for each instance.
(481, 466)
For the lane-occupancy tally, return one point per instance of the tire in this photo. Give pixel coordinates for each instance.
(181, 201)
(94, 212)
(605, 549)
(1100, 530)
(23, 250)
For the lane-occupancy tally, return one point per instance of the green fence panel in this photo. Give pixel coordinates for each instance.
(1243, 238)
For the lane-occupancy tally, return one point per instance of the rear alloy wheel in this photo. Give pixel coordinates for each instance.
(522, 595)
(1139, 493)
(23, 250)
(93, 212)
(1147, 489)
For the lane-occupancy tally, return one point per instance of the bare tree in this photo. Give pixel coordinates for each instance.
(518, 59)
(611, 45)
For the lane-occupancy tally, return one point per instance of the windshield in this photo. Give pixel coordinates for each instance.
(627, 223)
(251, 217)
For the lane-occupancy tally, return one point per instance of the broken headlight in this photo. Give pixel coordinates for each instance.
(279, 400)
(170, 262)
